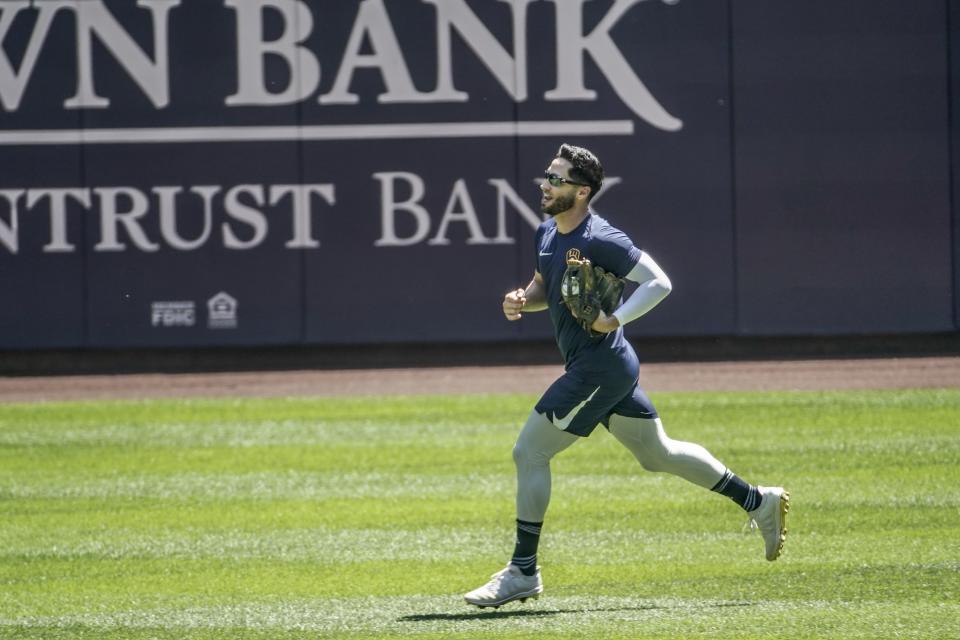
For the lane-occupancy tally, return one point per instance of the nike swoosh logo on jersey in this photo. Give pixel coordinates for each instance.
(563, 423)
(546, 254)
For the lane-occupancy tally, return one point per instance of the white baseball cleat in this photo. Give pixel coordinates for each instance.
(771, 518)
(505, 586)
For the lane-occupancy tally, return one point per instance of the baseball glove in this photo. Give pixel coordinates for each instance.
(586, 289)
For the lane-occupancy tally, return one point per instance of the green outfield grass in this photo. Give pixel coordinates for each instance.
(369, 517)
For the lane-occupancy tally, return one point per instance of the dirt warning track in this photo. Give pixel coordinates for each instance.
(788, 375)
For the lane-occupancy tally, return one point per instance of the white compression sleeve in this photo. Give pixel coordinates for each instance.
(654, 287)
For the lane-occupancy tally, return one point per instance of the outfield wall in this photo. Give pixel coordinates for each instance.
(280, 172)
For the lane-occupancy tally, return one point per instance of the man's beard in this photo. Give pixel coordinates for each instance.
(558, 205)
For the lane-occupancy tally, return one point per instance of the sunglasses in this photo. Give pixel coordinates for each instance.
(557, 180)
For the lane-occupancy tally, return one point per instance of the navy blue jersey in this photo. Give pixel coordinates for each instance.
(604, 245)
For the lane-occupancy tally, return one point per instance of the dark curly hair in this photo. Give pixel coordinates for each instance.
(586, 167)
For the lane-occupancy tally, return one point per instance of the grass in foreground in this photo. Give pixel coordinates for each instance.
(367, 518)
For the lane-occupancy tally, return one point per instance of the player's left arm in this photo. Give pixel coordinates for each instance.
(653, 287)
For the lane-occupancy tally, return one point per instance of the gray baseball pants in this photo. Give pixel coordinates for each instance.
(540, 440)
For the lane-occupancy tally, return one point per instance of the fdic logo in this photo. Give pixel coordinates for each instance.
(221, 312)
(180, 313)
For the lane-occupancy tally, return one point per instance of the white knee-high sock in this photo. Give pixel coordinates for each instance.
(538, 442)
(655, 451)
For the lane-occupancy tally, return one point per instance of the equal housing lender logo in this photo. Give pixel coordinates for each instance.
(221, 312)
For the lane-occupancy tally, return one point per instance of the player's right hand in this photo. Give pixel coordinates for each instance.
(513, 304)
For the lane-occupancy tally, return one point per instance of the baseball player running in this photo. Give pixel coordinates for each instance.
(600, 382)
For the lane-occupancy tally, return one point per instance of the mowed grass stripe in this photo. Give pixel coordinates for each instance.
(616, 617)
(343, 547)
(368, 517)
(108, 585)
(888, 490)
